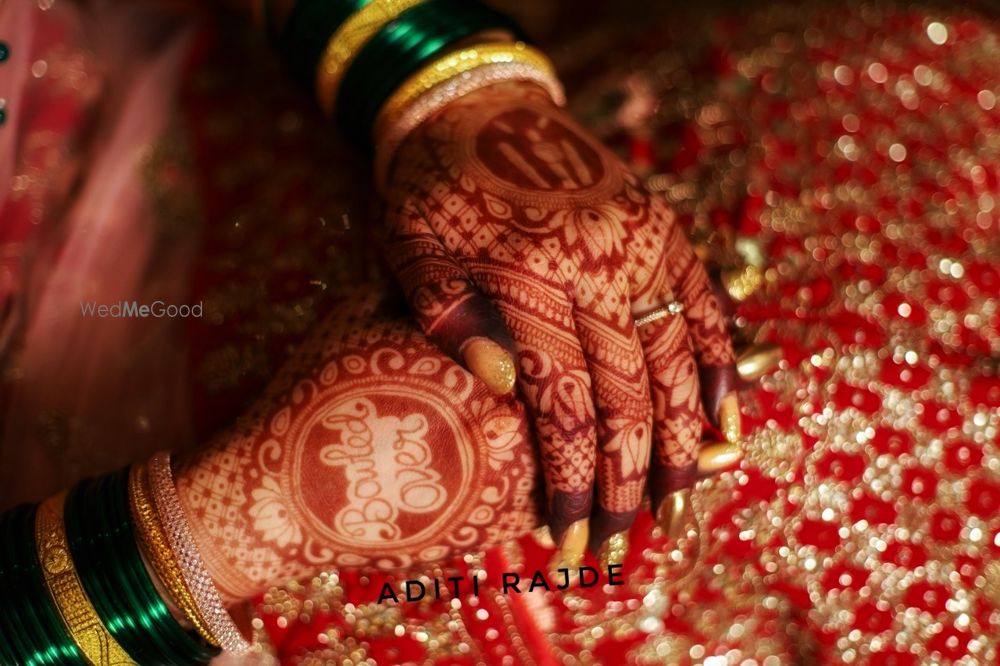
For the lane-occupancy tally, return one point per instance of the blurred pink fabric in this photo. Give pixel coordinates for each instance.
(87, 101)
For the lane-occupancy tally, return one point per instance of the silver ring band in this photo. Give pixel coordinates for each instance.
(668, 310)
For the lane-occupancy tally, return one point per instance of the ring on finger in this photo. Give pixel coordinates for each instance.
(670, 309)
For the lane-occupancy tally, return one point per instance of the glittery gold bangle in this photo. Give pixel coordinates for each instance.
(348, 40)
(154, 546)
(458, 62)
(392, 130)
(63, 583)
(178, 532)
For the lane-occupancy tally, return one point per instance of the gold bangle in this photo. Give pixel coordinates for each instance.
(154, 546)
(391, 132)
(348, 40)
(457, 63)
(78, 614)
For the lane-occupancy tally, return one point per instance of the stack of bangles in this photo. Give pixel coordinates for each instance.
(108, 573)
(382, 67)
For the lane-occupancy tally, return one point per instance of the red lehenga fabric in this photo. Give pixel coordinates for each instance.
(854, 152)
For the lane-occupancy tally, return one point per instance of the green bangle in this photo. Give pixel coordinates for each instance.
(60, 646)
(96, 574)
(188, 645)
(34, 624)
(129, 596)
(155, 628)
(7, 656)
(398, 50)
(307, 30)
(17, 627)
(147, 611)
(102, 541)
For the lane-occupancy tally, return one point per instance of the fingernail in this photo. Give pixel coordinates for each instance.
(574, 542)
(729, 418)
(741, 283)
(672, 514)
(492, 364)
(718, 456)
(614, 549)
(758, 360)
(543, 536)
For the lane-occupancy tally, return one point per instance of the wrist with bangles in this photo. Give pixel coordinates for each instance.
(382, 67)
(77, 565)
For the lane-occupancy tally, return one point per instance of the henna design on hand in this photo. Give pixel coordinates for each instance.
(674, 380)
(512, 197)
(370, 448)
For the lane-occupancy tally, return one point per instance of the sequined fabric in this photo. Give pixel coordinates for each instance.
(855, 149)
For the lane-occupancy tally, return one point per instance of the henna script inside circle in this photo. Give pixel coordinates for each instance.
(395, 487)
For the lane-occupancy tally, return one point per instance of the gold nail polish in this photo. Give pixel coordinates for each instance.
(758, 360)
(572, 546)
(672, 514)
(729, 418)
(614, 549)
(741, 283)
(718, 456)
(492, 364)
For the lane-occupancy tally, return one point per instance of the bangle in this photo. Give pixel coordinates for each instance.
(449, 79)
(100, 577)
(153, 543)
(63, 583)
(57, 645)
(199, 582)
(456, 63)
(22, 637)
(102, 541)
(307, 31)
(31, 630)
(179, 646)
(9, 654)
(401, 48)
(348, 40)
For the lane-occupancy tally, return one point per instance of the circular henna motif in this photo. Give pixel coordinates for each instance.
(536, 156)
(395, 487)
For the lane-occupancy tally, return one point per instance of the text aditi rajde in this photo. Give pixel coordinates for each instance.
(511, 582)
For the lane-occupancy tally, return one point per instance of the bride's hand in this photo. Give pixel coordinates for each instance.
(505, 215)
(370, 448)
